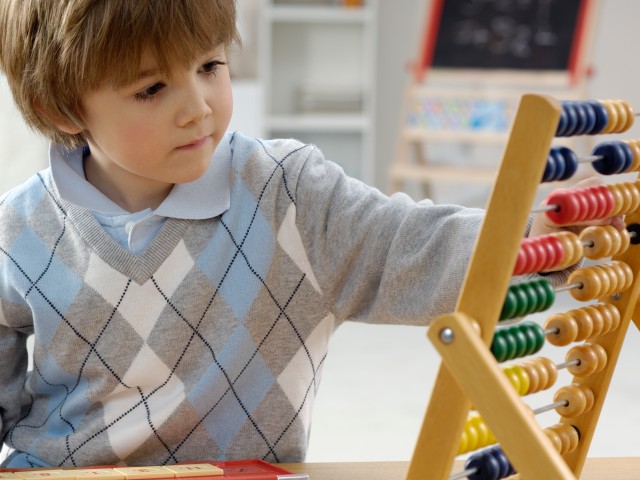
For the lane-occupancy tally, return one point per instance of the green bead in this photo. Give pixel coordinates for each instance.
(509, 307)
(521, 342)
(533, 298)
(511, 345)
(549, 291)
(538, 331)
(499, 347)
(535, 336)
(523, 301)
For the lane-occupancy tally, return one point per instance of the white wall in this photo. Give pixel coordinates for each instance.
(22, 152)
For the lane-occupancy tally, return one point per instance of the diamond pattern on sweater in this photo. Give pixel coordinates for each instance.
(156, 395)
(291, 242)
(232, 387)
(309, 359)
(237, 264)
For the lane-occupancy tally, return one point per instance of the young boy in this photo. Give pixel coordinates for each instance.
(181, 283)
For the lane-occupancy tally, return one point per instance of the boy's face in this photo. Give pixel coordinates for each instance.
(158, 131)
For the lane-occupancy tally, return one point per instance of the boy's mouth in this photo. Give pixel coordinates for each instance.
(198, 142)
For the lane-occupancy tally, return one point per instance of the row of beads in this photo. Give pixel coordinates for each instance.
(527, 297)
(594, 117)
(566, 206)
(600, 280)
(561, 249)
(607, 158)
(604, 241)
(493, 464)
(584, 284)
(533, 375)
(560, 329)
(581, 323)
(517, 341)
(476, 433)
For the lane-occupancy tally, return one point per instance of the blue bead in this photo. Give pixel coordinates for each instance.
(602, 116)
(570, 160)
(628, 154)
(613, 161)
(582, 119)
(486, 466)
(572, 118)
(499, 456)
(549, 174)
(591, 117)
(562, 123)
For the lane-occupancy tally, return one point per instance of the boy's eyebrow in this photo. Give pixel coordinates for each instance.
(142, 74)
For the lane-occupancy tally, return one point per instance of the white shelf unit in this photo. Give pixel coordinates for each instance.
(317, 68)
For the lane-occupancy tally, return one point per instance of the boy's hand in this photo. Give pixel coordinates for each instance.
(542, 225)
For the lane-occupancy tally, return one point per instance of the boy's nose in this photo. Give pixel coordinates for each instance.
(194, 107)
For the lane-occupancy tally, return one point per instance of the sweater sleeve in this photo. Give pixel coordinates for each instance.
(13, 369)
(377, 258)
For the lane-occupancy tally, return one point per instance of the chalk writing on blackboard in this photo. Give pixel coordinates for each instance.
(505, 34)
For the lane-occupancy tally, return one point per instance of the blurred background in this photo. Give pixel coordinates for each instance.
(340, 74)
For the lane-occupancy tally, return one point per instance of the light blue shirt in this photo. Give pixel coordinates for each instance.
(206, 197)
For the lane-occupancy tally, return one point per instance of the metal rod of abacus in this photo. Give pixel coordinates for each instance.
(544, 208)
(569, 286)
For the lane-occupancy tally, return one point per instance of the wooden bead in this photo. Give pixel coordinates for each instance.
(601, 353)
(625, 240)
(534, 375)
(629, 115)
(635, 148)
(597, 242)
(597, 320)
(585, 325)
(545, 364)
(610, 311)
(592, 357)
(572, 246)
(567, 329)
(556, 441)
(568, 435)
(576, 401)
(619, 199)
(614, 116)
(591, 285)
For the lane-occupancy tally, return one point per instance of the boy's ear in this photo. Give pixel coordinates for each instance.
(62, 123)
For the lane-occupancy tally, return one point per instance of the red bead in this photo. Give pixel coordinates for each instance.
(568, 207)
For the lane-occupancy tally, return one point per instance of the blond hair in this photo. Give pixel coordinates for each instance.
(55, 51)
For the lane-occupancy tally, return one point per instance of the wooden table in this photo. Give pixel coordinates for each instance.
(595, 469)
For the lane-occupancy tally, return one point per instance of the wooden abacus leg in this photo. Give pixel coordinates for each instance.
(463, 352)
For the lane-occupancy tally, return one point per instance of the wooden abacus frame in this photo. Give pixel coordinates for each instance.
(469, 372)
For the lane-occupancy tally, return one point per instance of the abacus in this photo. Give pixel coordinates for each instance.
(477, 403)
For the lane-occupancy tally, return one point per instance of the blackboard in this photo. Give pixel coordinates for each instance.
(519, 35)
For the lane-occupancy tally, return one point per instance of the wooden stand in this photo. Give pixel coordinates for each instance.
(469, 373)
(471, 106)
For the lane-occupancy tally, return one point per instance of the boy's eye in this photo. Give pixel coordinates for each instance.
(211, 67)
(149, 92)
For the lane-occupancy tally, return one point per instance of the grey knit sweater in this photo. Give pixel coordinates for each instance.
(210, 344)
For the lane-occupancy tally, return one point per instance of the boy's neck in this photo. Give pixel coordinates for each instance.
(127, 195)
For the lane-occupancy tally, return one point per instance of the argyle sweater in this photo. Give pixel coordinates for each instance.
(210, 344)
